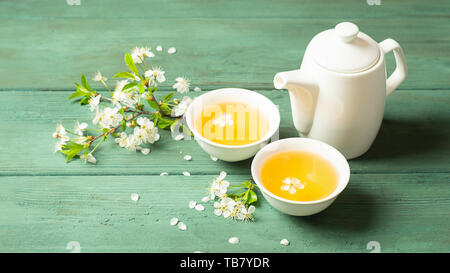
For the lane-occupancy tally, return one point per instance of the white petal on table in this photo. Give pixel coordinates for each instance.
(284, 242)
(233, 240)
(172, 50)
(182, 226)
(134, 197)
(173, 221)
(186, 173)
(199, 207)
(192, 204)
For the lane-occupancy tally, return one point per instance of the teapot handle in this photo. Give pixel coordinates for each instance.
(401, 70)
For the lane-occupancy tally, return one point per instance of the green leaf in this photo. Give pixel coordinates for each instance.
(163, 122)
(84, 83)
(71, 150)
(125, 74)
(130, 63)
(252, 198)
(82, 89)
(142, 87)
(84, 100)
(168, 97)
(165, 109)
(129, 85)
(77, 94)
(153, 104)
(246, 184)
(124, 125)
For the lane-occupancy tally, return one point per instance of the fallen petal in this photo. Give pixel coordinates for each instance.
(145, 151)
(182, 226)
(186, 173)
(213, 158)
(199, 207)
(187, 157)
(134, 197)
(163, 174)
(205, 199)
(197, 89)
(173, 221)
(159, 48)
(284, 242)
(192, 204)
(233, 240)
(172, 50)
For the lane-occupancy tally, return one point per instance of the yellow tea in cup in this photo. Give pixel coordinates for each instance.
(299, 176)
(232, 123)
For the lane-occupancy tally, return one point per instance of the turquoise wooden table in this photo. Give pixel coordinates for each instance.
(399, 192)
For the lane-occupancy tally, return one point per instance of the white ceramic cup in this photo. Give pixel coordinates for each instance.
(301, 208)
(236, 95)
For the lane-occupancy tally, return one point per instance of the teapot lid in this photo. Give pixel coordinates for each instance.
(345, 49)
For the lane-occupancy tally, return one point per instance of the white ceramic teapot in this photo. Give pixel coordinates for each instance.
(338, 94)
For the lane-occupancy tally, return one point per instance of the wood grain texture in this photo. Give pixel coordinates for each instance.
(413, 138)
(399, 191)
(244, 47)
(404, 212)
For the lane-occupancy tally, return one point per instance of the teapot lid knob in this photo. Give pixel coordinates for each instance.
(346, 31)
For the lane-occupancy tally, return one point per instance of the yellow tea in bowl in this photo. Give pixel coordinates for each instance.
(232, 123)
(299, 176)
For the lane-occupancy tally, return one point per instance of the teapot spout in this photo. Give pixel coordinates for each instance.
(303, 92)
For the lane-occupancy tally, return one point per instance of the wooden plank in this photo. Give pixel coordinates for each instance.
(213, 52)
(229, 9)
(403, 212)
(413, 138)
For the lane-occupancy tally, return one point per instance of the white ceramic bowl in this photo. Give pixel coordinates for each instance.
(233, 152)
(301, 208)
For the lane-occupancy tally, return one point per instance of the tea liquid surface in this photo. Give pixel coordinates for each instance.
(232, 123)
(299, 176)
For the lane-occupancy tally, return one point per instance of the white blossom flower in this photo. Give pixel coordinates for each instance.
(134, 197)
(247, 213)
(156, 74)
(120, 96)
(108, 118)
(60, 143)
(284, 242)
(219, 186)
(182, 85)
(80, 127)
(81, 140)
(60, 131)
(233, 240)
(89, 158)
(94, 102)
(138, 54)
(179, 109)
(224, 120)
(131, 142)
(99, 78)
(224, 207)
(290, 184)
(147, 130)
(173, 221)
(172, 50)
(122, 140)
